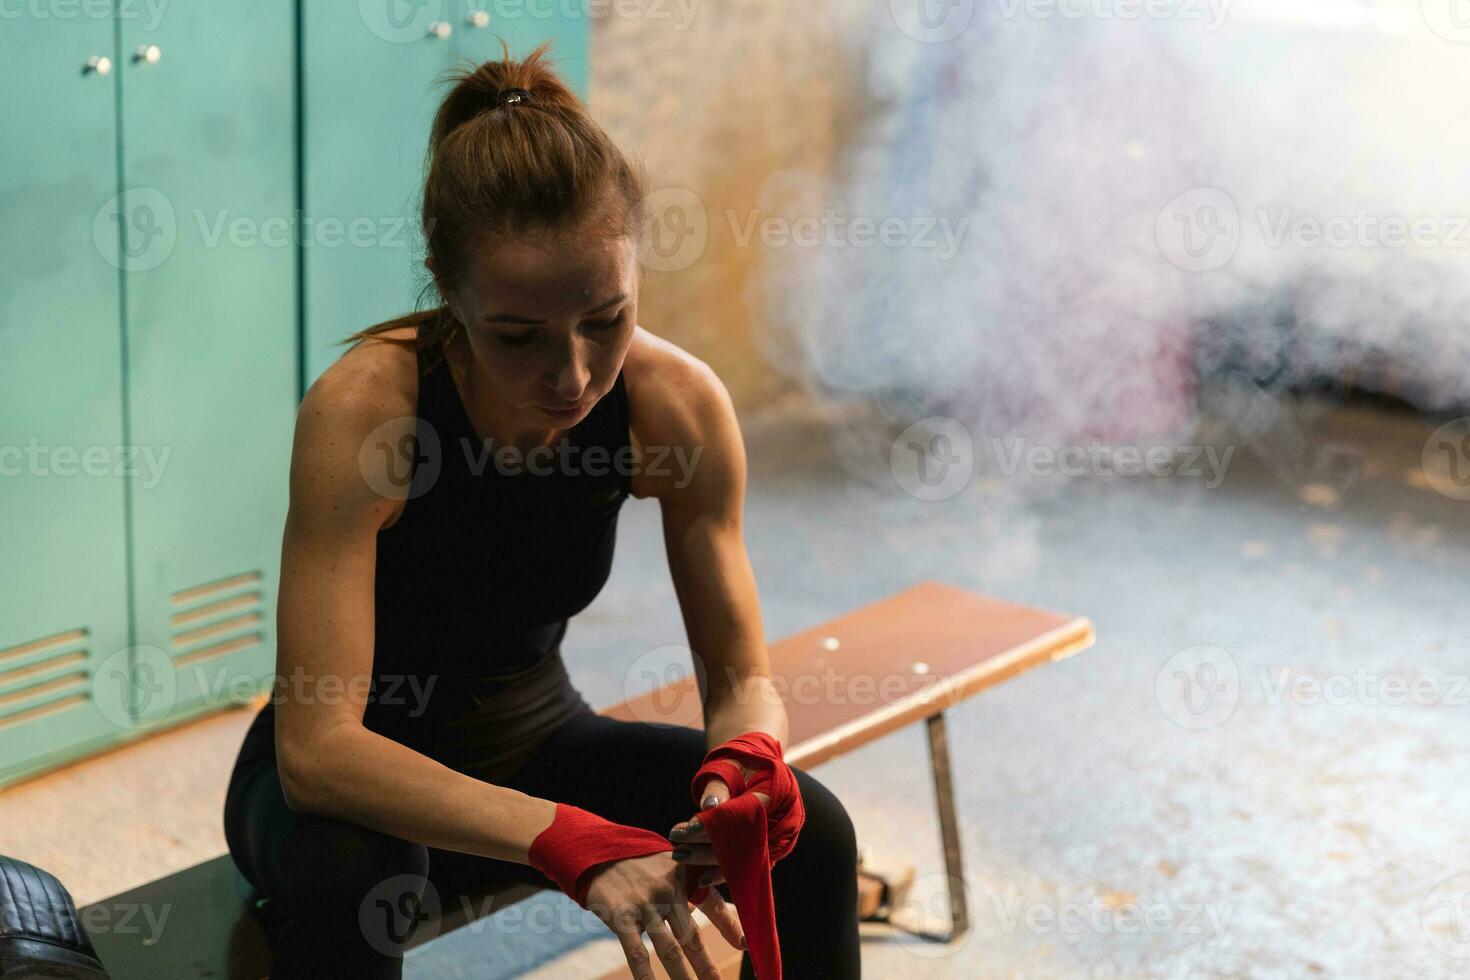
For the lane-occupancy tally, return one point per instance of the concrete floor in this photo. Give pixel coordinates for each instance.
(1109, 830)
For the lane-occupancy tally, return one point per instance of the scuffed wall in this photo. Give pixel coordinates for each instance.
(717, 97)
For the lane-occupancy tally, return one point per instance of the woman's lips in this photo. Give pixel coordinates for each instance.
(562, 412)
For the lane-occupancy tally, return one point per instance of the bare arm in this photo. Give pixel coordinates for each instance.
(702, 505)
(330, 764)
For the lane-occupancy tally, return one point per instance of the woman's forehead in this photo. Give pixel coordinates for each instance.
(575, 273)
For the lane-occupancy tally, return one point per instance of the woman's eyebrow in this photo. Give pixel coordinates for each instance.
(508, 318)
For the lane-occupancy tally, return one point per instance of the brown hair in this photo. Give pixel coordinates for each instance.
(494, 170)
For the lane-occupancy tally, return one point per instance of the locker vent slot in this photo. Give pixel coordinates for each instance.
(43, 676)
(216, 618)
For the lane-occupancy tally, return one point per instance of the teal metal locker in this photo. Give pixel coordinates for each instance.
(150, 316)
(210, 299)
(63, 565)
(368, 100)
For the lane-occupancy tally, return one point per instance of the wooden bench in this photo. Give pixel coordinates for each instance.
(902, 660)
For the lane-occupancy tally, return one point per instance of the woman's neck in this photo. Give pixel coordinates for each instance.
(486, 417)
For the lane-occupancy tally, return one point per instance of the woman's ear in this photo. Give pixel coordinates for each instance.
(451, 300)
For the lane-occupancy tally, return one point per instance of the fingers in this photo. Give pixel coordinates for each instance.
(689, 831)
(666, 946)
(725, 918)
(686, 931)
(695, 854)
(630, 936)
(715, 792)
(692, 831)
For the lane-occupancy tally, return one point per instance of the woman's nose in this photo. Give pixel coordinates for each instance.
(571, 382)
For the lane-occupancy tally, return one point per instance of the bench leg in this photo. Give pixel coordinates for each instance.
(949, 827)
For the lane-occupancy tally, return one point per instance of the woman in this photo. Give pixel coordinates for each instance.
(455, 483)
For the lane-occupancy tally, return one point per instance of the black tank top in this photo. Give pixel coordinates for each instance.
(491, 556)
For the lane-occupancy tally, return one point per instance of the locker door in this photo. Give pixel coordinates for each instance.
(208, 166)
(368, 101)
(63, 558)
(481, 24)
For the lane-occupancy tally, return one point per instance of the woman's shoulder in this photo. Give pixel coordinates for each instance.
(667, 386)
(377, 376)
(676, 404)
(367, 397)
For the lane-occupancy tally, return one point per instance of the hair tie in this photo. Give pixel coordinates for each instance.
(512, 95)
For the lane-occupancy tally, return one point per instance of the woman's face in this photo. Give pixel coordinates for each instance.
(549, 322)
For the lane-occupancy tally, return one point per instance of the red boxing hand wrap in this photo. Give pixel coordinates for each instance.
(750, 837)
(577, 841)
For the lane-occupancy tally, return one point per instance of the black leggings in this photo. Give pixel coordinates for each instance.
(318, 872)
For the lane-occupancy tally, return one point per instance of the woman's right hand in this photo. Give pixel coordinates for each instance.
(646, 894)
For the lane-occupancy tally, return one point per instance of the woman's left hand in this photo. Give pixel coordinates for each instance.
(691, 841)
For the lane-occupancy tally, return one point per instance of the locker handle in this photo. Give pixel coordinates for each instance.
(101, 64)
(148, 54)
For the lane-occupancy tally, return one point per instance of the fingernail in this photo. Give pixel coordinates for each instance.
(681, 853)
(709, 801)
(677, 833)
(742, 942)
